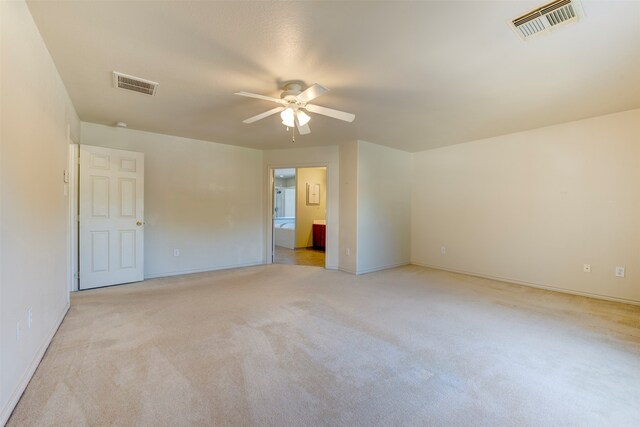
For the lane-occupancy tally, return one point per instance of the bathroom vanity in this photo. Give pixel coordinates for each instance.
(319, 234)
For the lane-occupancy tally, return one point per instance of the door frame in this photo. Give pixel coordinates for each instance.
(72, 217)
(270, 217)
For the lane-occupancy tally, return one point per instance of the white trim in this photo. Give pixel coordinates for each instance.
(24, 381)
(201, 270)
(383, 267)
(268, 218)
(531, 284)
(271, 225)
(72, 254)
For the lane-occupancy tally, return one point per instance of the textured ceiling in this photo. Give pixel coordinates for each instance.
(418, 75)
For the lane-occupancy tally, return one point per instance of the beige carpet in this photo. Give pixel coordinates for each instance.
(301, 346)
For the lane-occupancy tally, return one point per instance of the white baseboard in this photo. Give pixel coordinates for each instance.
(383, 267)
(531, 284)
(346, 270)
(201, 270)
(26, 377)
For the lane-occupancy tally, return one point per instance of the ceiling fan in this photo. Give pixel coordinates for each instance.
(293, 101)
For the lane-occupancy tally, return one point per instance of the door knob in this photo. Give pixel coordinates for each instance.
(139, 223)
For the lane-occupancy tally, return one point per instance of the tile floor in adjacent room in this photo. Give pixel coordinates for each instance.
(301, 256)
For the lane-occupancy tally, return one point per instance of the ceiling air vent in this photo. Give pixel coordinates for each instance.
(136, 84)
(546, 18)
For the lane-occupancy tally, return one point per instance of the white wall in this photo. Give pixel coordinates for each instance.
(305, 213)
(33, 215)
(534, 206)
(327, 156)
(383, 206)
(203, 198)
(348, 206)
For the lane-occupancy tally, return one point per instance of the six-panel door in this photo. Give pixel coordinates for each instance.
(111, 216)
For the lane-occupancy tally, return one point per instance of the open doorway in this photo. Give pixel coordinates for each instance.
(299, 219)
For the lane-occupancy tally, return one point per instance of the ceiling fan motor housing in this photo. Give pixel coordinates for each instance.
(291, 91)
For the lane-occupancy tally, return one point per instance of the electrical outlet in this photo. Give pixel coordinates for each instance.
(443, 250)
(29, 317)
(619, 271)
(586, 268)
(18, 331)
(176, 252)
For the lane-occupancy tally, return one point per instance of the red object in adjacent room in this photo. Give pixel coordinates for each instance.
(319, 235)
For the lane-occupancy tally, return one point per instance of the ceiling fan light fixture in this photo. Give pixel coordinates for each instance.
(303, 118)
(292, 102)
(288, 117)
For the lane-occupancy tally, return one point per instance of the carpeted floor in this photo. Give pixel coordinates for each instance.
(302, 346)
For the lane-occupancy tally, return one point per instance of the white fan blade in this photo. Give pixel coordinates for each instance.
(304, 130)
(340, 115)
(255, 95)
(263, 115)
(312, 92)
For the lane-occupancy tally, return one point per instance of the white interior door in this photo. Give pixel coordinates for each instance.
(111, 216)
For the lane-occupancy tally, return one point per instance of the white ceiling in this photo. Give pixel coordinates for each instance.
(417, 75)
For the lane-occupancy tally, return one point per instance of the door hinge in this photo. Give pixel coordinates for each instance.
(77, 275)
